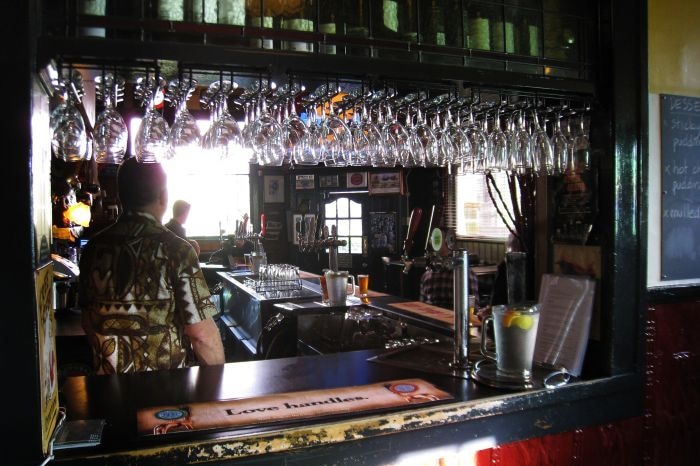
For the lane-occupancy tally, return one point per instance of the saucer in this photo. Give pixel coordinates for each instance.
(485, 372)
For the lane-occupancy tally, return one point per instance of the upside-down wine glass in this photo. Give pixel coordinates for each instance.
(479, 142)
(520, 149)
(267, 136)
(294, 128)
(223, 139)
(184, 138)
(541, 147)
(68, 136)
(151, 142)
(423, 138)
(336, 134)
(560, 147)
(582, 147)
(111, 134)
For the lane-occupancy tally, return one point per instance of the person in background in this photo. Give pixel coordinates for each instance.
(181, 210)
(145, 303)
(500, 283)
(437, 285)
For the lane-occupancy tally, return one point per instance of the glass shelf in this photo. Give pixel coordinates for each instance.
(534, 37)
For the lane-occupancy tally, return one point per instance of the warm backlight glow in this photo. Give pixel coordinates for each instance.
(216, 188)
(79, 214)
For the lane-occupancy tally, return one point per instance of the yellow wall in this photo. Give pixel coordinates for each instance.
(674, 47)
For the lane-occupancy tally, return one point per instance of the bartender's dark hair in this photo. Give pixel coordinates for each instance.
(139, 184)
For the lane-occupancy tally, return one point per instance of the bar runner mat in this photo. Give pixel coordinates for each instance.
(427, 310)
(247, 412)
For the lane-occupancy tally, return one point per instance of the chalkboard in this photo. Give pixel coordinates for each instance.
(680, 185)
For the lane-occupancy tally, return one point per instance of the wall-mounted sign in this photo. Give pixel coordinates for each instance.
(680, 187)
(328, 181)
(385, 183)
(48, 367)
(304, 181)
(273, 186)
(356, 180)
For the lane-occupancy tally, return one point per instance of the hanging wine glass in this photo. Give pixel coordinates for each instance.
(224, 137)
(520, 149)
(294, 128)
(316, 143)
(111, 134)
(560, 147)
(479, 143)
(377, 153)
(267, 135)
(184, 137)
(336, 134)
(248, 100)
(359, 153)
(541, 147)
(448, 137)
(311, 143)
(395, 136)
(568, 165)
(422, 138)
(69, 140)
(582, 147)
(151, 142)
(498, 145)
(460, 139)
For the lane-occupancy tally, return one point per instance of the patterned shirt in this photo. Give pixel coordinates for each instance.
(139, 285)
(436, 287)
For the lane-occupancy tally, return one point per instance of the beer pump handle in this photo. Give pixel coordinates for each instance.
(311, 231)
(244, 225)
(263, 225)
(413, 223)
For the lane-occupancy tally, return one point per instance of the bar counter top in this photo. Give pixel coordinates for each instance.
(477, 415)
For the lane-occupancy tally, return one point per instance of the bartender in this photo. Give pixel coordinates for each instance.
(145, 303)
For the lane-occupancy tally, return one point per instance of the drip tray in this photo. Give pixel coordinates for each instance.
(435, 359)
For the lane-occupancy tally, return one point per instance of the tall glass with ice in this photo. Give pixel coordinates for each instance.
(515, 334)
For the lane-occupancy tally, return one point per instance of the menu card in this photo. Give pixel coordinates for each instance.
(79, 433)
(566, 305)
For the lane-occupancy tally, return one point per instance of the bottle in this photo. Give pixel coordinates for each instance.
(92, 8)
(355, 23)
(328, 24)
(299, 18)
(202, 11)
(231, 12)
(259, 18)
(478, 32)
(171, 10)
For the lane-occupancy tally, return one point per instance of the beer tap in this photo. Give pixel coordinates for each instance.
(460, 264)
(413, 223)
(257, 238)
(314, 238)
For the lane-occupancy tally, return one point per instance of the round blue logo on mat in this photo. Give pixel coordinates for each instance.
(171, 414)
(403, 388)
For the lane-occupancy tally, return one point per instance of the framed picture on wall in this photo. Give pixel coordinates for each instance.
(382, 231)
(304, 181)
(273, 186)
(328, 181)
(385, 183)
(356, 179)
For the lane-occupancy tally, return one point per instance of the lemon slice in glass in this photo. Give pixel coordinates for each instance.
(523, 321)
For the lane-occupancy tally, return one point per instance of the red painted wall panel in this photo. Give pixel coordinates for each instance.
(669, 432)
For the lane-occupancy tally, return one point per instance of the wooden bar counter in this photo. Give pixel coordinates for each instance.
(476, 417)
